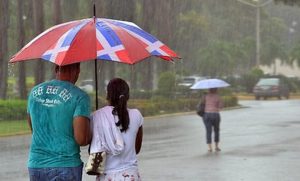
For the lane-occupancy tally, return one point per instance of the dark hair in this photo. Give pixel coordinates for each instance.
(63, 68)
(118, 95)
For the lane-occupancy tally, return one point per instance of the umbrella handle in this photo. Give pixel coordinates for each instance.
(94, 8)
(96, 83)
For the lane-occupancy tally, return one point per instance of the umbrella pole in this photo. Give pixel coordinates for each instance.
(96, 67)
(96, 83)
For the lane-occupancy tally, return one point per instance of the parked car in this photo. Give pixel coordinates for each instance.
(271, 87)
(184, 84)
(189, 81)
(87, 85)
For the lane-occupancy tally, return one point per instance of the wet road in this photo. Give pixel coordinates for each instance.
(260, 142)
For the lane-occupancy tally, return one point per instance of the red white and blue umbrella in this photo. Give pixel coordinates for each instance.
(94, 38)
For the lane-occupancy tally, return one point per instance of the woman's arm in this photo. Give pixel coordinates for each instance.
(139, 140)
(82, 133)
(29, 122)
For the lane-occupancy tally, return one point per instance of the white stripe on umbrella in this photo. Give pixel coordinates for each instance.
(57, 49)
(151, 46)
(107, 49)
(45, 32)
(156, 47)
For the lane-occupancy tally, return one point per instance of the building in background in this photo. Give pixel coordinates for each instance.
(283, 69)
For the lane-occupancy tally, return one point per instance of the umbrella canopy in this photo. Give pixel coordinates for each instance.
(94, 38)
(210, 83)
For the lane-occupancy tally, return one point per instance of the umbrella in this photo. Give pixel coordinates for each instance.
(94, 38)
(210, 83)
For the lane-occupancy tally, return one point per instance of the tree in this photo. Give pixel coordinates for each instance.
(71, 9)
(57, 12)
(166, 84)
(164, 25)
(21, 37)
(57, 19)
(4, 22)
(272, 41)
(289, 2)
(192, 30)
(38, 18)
(146, 23)
(220, 58)
(121, 10)
(295, 55)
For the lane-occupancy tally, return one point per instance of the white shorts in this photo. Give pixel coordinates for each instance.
(125, 175)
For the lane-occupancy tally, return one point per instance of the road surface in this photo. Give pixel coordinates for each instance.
(259, 142)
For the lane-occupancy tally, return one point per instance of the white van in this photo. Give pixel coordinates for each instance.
(190, 80)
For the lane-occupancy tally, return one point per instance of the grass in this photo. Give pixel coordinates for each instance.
(8, 128)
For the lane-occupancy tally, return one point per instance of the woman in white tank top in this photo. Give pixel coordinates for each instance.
(121, 165)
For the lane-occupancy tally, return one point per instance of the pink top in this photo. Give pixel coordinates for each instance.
(213, 103)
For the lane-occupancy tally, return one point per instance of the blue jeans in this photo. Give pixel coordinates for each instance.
(212, 121)
(56, 174)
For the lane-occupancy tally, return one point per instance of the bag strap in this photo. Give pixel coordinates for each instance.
(203, 99)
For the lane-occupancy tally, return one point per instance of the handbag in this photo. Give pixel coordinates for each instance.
(96, 163)
(201, 109)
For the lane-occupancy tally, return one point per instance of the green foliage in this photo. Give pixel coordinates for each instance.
(272, 45)
(13, 127)
(13, 110)
(220, 58)
(230, 101)
(251, 78)
(295, 54)
(141, 94)
(161, 105)
(289, 2)
(191, 35)
(166, 84)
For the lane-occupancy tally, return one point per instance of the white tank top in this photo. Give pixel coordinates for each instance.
(127, 159)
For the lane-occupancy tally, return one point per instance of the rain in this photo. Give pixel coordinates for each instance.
(243, 42)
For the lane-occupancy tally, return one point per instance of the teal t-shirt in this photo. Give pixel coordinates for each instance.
(52, 106)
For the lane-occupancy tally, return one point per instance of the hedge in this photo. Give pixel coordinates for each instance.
(16, 109)
(13, 109)
(155, 106)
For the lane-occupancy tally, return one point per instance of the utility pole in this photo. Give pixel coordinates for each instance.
(257, 4)
(257, 36)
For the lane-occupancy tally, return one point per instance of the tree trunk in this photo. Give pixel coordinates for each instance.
(38, 16)
(133, 76)
(56, 12)
(165, 9)
(148, 14)
(4, 21)
(70, 9)
(102, 65)
(125, 10)
(57, 19)
(22, 89)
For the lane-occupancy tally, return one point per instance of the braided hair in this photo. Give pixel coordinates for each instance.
(118, 95)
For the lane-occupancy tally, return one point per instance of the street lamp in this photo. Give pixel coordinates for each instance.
(257, 5)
